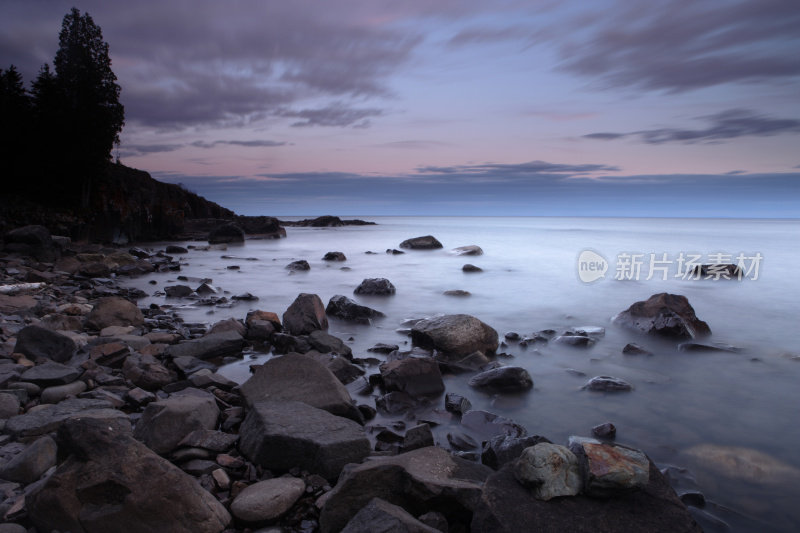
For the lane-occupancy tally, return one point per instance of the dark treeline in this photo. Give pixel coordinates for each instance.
(58, 135)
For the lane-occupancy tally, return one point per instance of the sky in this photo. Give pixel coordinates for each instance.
(452, 107)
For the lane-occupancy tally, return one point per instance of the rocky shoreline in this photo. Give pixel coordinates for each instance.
(113, 417)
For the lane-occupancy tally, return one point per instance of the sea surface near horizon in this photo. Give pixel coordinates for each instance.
(730, 418)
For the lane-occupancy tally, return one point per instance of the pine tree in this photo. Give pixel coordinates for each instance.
(15, 110)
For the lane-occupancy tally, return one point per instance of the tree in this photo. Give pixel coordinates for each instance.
(15, 110)
(91, 115)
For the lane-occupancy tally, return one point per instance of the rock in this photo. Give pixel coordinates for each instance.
(50, 373)
(505, 506)
(455, 335)
(472, 249)
(208, 439)
(744, 465)
(503, 379)
(549, 470)
(428, 242)
(471, 268)
(707, 348)
(226, 233)
(607, 384)
(417, 376)
(384, 348)
(216, 345)
(265, 316)
(165, 423)
(718, 271)
(419, 436)
(30, 464)
(605, 431)
(178, 291)
(48, 418)
(267, 500)
(9, 405)
(502, 449)
(114, 311)
(455, 403)
(459, 440)
(281, 435)
(380, 515)
(580, 341)
(283, 343)
(488, 424)
(175, 249)
(334, 256)
(36, 343)
(346, 309)
(325, 343)
(58, 393)
(34, 241)
(300, 378)
(393, 251)
(306, 314)
(666, 315)
(205, 378)
(427, 479)
(375, 287)
(345, 371)
(230, 324)
(110, 482)
(94, 269)
(147, 372)
(634, 349)
(610, 470)
(457, 292)
(300, 265)
(189, 365)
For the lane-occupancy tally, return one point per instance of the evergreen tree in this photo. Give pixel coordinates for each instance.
(15, 110)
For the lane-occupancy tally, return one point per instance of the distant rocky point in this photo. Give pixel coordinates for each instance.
(326, 221)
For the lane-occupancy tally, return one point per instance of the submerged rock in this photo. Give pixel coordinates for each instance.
(455, 335)
(345, 308)
(503, 379)
(306, 314)
(334, 256)
(375, 287)
(299, 265)
(417, 376)
(666, 315)
(428, 242)
(607, 384)
(471, 249)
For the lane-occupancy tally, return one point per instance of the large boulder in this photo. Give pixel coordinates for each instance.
(226, 233)
(506, 506)
(380, 515)
(375, 287)
(417, 376)
(211, 346)
(345, 308)
(34, 241)
(50, 373)
(111, 482)
(306, 314)
(114, 311)
(666, 315)
(50, 417)
(550, 470)
(428, 242)
(426, 479)
(610, 470)
(281, 435)
(165, 423)
(36, 342)
(300, 378)
(456, 335)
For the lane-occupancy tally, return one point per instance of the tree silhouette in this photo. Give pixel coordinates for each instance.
(15, 110)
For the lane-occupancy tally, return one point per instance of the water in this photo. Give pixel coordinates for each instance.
(681, 402)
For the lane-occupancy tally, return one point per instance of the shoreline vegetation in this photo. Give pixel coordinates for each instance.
(115, 412)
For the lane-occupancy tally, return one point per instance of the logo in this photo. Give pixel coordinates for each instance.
(591, 266)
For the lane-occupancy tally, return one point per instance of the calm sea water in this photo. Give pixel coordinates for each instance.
(731, 419)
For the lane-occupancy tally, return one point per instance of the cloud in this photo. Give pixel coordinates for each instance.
(412, 145)
(681, 45)
(333, 115)
(725, 125)
(139, 149)
(533, 168)
(248, 144)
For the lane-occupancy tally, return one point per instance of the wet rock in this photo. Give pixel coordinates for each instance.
(178, 291)
(416, 376)
(419, 436)
(203, 379)
(326, 343)
(216, 345)
(29, 465)
(165, 423)
(607, 384)
(428, 242)
(34, 241)
(455, 335)
(226, 233)
(471, 268)
(345, 371)
(298, 266)
(300, 378)
(384, 348)
(457, 292)
(380, 515)
(634, 349)
(427, 479)
(487, 425)
(110, 482)
(605, 431)
(283, 343)
(666, 315)
(455, 403)
(50, 373)
(304, 315)
(461, 441)
(267, 500)
(58, 393)
(396, 402)
(502, 449)
(334, 256)
(281, 435)
(743, 464)
(549, 470)
(503, 379)
(37, 343)
(345, 308)
(48, 419)
(610, 470)
(375, 287)
(175, 249)
(707, 348)
(394, 251)
(9, 405)
(718, 271)
(505, 506)
(471, 249)
(189, 365)
(114, 311)
(595, 332)
(147, 372)
(230, 324)
(580, 341)
(209, 439)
